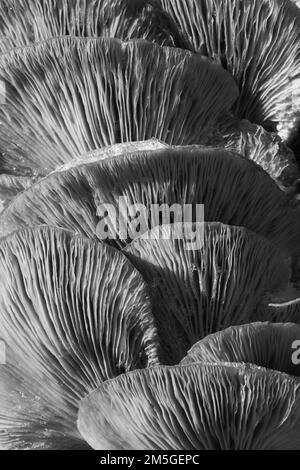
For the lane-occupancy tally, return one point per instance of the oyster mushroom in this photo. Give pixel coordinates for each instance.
(194, 407)
(258, 42)
(73, 313)
(68, 96)
(265, 148)
(23, 22)
(234, 191)
(200, 288)
(33, 413)
(10, 186)
(264, 344)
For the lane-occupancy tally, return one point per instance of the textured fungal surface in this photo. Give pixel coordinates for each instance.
(264, 344)
(265, 148)
(195, 407)
(258, 41)
(233, 191)
(10, 186)
(75, 313)
(217, 281)
(24, 21)
(34, 416)
(149, 226)
(68, 96)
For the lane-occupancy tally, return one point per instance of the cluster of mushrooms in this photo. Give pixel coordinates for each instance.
(142, 344)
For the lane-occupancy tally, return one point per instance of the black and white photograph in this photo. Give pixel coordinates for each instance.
(149, 229)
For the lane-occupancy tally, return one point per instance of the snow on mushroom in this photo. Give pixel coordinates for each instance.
(74, 313)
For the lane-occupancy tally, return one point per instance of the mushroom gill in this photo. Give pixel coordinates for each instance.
(149, 215)
(266, 345)
(204, 279)
(10, 186)
(234, 191)
(73, 313)
(258, 42)
(23, 22)
(194, 407)
(265, 148)
(68, 96)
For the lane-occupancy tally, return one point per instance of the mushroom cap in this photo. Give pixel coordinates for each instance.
(200, 288)
(23, 22)
(258, 42)
(10, 186)
(68, 96)
(112, 151)
(194, 407)
(234, 191)
(33, 414)
(268, 345)
(265, 148)
(74, 313)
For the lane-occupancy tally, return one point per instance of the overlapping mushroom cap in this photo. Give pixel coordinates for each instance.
(194, 407)
(263, 344)
(265, 148)
(68, 96)
(10, 186)
(23, 22)
(201, 287)
(233, 190)
(33, 412)
(83, 85)
(258, 41)
(73, 313)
